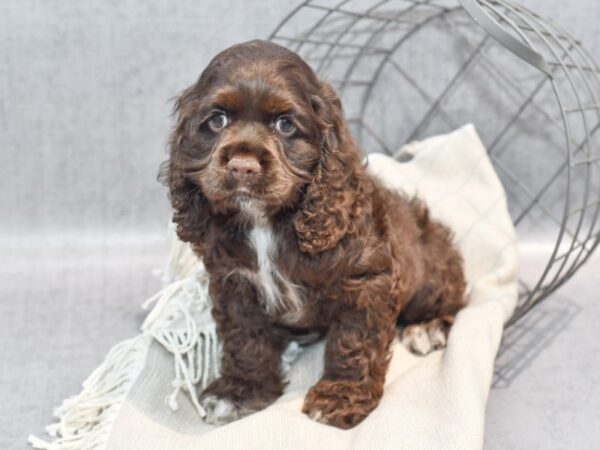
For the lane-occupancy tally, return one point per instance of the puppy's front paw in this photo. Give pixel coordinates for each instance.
(343, 404)
(228, 399)
(219, 411)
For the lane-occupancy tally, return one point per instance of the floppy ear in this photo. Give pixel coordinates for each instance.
(336, 196)
(190, 207)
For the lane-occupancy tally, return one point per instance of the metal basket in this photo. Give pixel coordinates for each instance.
(408, 69)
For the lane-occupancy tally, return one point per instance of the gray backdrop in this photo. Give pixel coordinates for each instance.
(85, 91)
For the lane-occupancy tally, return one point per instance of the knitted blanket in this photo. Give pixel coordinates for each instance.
(143, 396)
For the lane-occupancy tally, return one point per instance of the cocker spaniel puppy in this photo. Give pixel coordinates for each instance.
(267, 185)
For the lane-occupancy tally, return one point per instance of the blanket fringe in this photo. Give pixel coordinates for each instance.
(174, 323)
(85, 420)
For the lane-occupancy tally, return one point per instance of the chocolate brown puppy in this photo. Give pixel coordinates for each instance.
(268, 186)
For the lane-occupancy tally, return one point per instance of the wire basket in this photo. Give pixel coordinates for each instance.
(408, 69)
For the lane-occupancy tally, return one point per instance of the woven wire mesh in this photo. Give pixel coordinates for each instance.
(408, 69)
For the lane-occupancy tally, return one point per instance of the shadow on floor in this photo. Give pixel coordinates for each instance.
(525, 340)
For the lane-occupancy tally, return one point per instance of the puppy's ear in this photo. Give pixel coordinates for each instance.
(336, 195)
(191, 211)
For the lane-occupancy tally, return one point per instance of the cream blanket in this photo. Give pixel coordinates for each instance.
(142, 396)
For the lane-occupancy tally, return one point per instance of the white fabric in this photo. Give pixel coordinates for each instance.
(432, 402)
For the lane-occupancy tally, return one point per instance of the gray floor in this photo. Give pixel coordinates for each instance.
(547, 388)
(65, 301)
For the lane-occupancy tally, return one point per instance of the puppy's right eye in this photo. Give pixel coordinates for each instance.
(218, 121)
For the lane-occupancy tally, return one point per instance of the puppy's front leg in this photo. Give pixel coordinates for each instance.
(356, 361)
(251, 355)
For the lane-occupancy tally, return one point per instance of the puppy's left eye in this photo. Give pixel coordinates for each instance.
(285, 125)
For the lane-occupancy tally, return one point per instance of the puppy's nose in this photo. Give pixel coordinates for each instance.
(243, 168)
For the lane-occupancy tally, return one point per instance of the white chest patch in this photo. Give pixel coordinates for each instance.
(287, 303)
(264, 244)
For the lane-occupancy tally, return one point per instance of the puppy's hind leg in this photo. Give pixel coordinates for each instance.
(426, 337)
(430, 314)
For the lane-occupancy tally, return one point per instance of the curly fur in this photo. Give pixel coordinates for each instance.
(334, 198)
(358, 258)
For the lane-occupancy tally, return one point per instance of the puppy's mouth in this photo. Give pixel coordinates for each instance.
(234, 190)
(251, 205)
(243, 194)
(243, 190)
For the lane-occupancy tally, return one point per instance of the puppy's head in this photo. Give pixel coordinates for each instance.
(253, 134)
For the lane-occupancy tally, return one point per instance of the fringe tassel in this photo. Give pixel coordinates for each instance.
(85, 420)
(175, 323)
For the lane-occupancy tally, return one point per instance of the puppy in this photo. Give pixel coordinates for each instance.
(267, 185)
